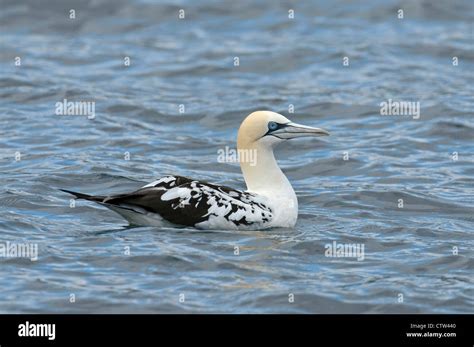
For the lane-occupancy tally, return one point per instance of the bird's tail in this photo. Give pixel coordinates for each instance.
(83, 196)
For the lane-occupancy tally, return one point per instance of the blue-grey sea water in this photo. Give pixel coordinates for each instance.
(170, 89)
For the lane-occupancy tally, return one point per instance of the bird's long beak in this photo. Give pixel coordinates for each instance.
(293, 130)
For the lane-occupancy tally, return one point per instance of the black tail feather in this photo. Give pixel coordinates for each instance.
(82, 196)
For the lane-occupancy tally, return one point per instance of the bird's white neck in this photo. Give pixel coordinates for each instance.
(263, 176)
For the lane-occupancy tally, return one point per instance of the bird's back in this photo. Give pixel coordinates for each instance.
(183, 201)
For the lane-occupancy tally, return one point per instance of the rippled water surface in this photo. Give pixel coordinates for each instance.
(422, 251)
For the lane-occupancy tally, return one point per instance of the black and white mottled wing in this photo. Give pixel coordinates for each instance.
(184, 201)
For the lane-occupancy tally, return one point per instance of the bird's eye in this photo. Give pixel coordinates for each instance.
(272, 125)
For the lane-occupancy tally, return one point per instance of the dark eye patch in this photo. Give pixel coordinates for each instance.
(272, 126)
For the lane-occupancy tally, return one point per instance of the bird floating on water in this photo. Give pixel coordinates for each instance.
(269, 200)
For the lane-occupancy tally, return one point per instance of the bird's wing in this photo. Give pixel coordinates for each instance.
(181, 200)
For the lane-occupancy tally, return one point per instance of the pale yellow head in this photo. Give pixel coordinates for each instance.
(266, 128)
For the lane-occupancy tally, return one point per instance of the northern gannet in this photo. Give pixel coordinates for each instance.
(269, 200)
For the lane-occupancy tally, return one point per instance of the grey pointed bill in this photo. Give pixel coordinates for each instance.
(294, 130)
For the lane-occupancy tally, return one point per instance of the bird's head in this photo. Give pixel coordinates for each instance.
(269, 129)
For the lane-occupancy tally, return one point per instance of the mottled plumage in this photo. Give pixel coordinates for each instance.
(183, 201)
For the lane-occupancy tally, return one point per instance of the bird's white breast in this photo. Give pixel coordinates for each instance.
(284, 206)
